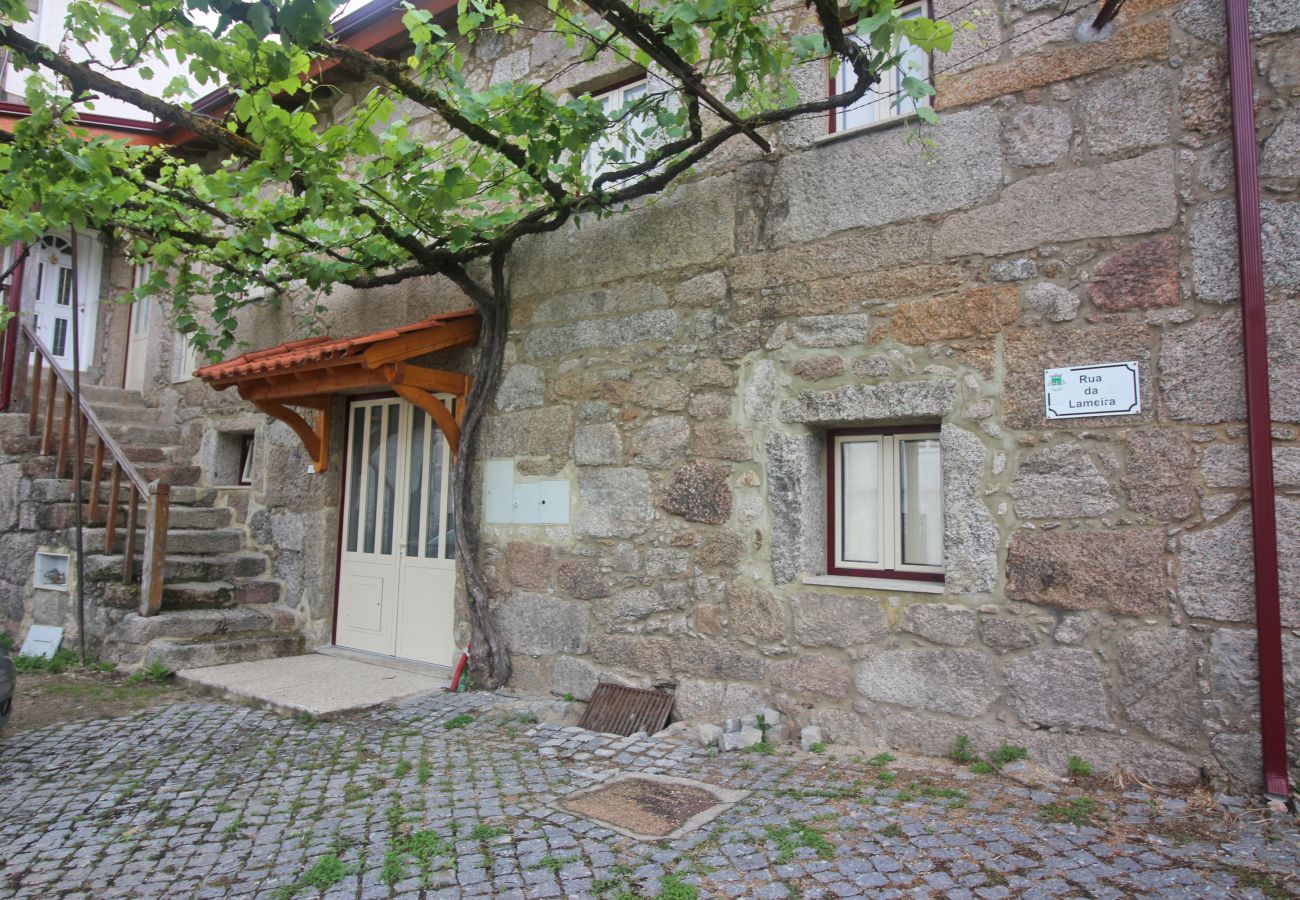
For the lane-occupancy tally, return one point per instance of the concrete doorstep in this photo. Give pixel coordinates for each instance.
(319, 685)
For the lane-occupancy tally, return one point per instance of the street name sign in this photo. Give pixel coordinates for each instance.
(1077, 392)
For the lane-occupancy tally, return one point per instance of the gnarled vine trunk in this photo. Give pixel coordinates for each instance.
(489, 662)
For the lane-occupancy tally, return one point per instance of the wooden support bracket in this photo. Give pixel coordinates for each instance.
(435, 407)
(314, 437)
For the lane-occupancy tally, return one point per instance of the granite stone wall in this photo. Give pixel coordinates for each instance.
(677, 364)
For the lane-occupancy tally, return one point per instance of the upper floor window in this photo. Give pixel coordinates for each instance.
(617, 102)
(886, 99)
(885, 503)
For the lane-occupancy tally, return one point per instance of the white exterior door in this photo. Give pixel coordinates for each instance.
(137, 342)
(48, 295)
(397, 570)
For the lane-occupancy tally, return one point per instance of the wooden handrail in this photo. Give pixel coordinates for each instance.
(156, 494)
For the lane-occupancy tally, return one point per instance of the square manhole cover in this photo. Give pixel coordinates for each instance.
(651, 807)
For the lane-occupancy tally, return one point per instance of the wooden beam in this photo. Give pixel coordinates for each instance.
(417, 343)
(433, 380)
(306, 433)
(330, 381)
(436, 408)
(323, 436)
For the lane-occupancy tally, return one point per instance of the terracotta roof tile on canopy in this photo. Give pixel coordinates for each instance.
(309, 372)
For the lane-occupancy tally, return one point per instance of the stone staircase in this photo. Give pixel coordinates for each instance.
(220, 603)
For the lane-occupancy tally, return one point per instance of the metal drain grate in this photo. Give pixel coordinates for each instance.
(617, 709)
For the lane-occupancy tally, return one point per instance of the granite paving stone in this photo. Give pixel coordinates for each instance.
(458, 795)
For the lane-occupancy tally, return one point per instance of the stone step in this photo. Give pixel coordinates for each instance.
(47, 490)
(25, 445)
(179, 567)
(171, 473)
(193, 624)
(178, 653)
(13, 424)
(144, 433)
(242, 592)
(54, 516)
(97, 393)
(112, 413)
(183, 541)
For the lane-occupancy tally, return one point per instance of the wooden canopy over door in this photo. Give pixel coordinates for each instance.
(307, 373)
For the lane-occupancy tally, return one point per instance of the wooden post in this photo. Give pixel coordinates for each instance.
(110, 527)
(96, 473)
(47, 439)
(65, 426)
(155, 548)
(128, 558)
(34, 413)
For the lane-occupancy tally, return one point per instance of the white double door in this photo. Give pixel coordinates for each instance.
(397, 569)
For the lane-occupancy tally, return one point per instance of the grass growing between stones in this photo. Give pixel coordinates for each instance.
(326, 872)
(1074, 811)
(459, 721)
(1272, 886)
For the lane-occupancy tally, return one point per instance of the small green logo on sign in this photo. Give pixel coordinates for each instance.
(1058, 380)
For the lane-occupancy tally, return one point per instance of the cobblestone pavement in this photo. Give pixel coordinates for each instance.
(455, 796)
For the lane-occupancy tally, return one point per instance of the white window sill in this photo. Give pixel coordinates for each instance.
(880, 584)
(878, 125)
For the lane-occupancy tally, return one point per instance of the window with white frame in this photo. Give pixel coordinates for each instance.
(616, 102)
(885, 503)
(886, 99)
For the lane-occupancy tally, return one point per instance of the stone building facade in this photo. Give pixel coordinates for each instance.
(677, 369)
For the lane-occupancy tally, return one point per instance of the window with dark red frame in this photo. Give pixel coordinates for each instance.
(884, 502)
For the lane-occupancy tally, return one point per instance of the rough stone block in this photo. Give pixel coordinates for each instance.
(1028, 351)
(831, 331)
(1201, 370)
(957, 682)
(713, 658)
(1132, 196)
(1032, 70)
(815, 675)
(1159, 474)
(522, 387)
(809, 736)
(581, 579)
(795, 497)
(528, 565)
(650, 656)
(719, 440)
(942, 623)
(698, 492)
(653, 326)
(975, 313)
(597, 445)
(1216, 578)
(1058, 688)
(831, 620)
(535, 432)
(1048, 300)
(640, 603)
(1141, 276)
(691, 226)
(1120, 571)
(1062, 481)
(613, 502)
(1214, 249)
(1007, 634)
(856, 403)
(1228, 466)
(541, 624)
(721, 550)
(822, 190)
(970, 537)
(1037, 136)
(661, 442)
(755, 613)
(819, 368)
(1158, 684)
(1129, 111)
(575, 677)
